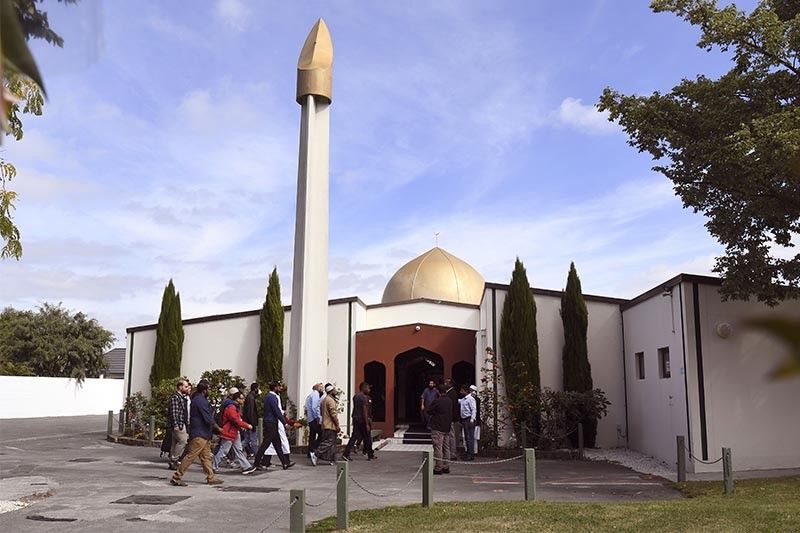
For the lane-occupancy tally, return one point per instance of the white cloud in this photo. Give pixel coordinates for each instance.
(234, 13)
(585, 118)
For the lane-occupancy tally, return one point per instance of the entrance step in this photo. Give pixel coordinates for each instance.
(416, 434)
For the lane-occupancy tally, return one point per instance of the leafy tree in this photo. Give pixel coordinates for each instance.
(220, 381)
(52, 342)
(519, 342)
(575, 356)
(731, 145)
(169, 338)
(21, 92)
(269, 365)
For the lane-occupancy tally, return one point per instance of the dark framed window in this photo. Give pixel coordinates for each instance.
(663, 363)
(639, 365)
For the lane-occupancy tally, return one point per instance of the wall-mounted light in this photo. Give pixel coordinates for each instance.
(724, 330)
(417, 327)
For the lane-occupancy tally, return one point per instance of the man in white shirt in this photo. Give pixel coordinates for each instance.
(468, 414)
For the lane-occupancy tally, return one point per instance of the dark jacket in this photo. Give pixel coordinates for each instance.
(440, 412)
(272, 413)
(250, 413)
(478, 420)
(453, 395)
(201, 419)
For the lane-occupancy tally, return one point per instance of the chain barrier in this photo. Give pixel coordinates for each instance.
(279, 515)
(480, 463)
(560, 437)
(331, 493)
(694, 458)
(394, 492)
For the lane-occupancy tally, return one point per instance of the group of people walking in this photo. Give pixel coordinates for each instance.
(449, 411)
(191, 425)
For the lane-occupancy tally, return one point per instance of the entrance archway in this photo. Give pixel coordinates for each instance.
(375, 375)
(463, 373)
(412, 370)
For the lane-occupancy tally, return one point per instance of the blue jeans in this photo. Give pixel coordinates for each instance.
(224, 446)
(250, 440)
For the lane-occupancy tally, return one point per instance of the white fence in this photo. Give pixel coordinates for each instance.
(36, 397)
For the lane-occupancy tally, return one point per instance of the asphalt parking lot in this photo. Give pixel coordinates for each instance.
(77, 481)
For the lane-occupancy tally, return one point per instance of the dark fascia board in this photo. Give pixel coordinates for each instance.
(240, 314)
(421, 324)
(557, 294)
(424, 300)
(669, 284)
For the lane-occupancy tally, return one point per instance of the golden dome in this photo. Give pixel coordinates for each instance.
(436, 275)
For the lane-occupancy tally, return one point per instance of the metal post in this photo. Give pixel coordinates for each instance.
(523, 437)
(152, 432)
(681, 458)
(427, 479)
(727, 470)
(121, 422)
(260, 430)
(530, 474)
(110, 426)
(342, 508)
(580, 440)
(297, 514)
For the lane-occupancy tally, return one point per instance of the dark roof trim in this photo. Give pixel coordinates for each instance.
(667, 285)
(424, 300)
(240, 314)
(557, 294)
(421, 324)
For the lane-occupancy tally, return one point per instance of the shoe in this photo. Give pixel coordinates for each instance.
(347, 458)
(313, 458)
(247, 471)
(437, 472)
(172, 465)
(446, 471)
(214, 481)
(261, 468)
(288, 465)
(177, 482)
(371, 458)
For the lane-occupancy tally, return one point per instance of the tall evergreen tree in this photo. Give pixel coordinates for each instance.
(270, 352)
(169, 338)
(519, 342)
(575, 356)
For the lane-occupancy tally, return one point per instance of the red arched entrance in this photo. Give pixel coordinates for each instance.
(400, 359)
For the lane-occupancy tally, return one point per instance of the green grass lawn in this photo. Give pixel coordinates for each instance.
(758, 505)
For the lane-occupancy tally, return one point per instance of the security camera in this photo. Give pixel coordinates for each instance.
(417, 328)
(666, 291)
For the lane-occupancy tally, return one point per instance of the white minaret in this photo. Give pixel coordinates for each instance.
(308, 341)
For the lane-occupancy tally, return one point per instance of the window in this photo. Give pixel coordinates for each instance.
(640, 365)
(663, 363)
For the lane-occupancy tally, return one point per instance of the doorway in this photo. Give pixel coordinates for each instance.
(412, 370)
(463, 373)
(375, 375)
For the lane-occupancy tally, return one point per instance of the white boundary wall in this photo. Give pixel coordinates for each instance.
(36, 397)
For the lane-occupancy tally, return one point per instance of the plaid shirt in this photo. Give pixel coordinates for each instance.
(177, 414)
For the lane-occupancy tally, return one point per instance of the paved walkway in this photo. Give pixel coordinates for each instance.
(87, 477)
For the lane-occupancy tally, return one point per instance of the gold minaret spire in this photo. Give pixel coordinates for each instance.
(315, 66)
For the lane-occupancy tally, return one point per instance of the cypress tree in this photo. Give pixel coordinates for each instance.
(575, 356)
(519, 342)
(169, 338)
(270, 352)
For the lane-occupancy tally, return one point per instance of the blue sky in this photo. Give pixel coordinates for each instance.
(168, 148)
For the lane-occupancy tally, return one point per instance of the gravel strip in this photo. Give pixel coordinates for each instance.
(637, 461)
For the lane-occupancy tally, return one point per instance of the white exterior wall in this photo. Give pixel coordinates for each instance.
(604, 338)
(656, 406)
(338, 357)
(746, 411)
(231, 343)
(36, 397)
(424, 313)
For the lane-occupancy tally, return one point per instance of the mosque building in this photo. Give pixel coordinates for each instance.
(672, 361)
